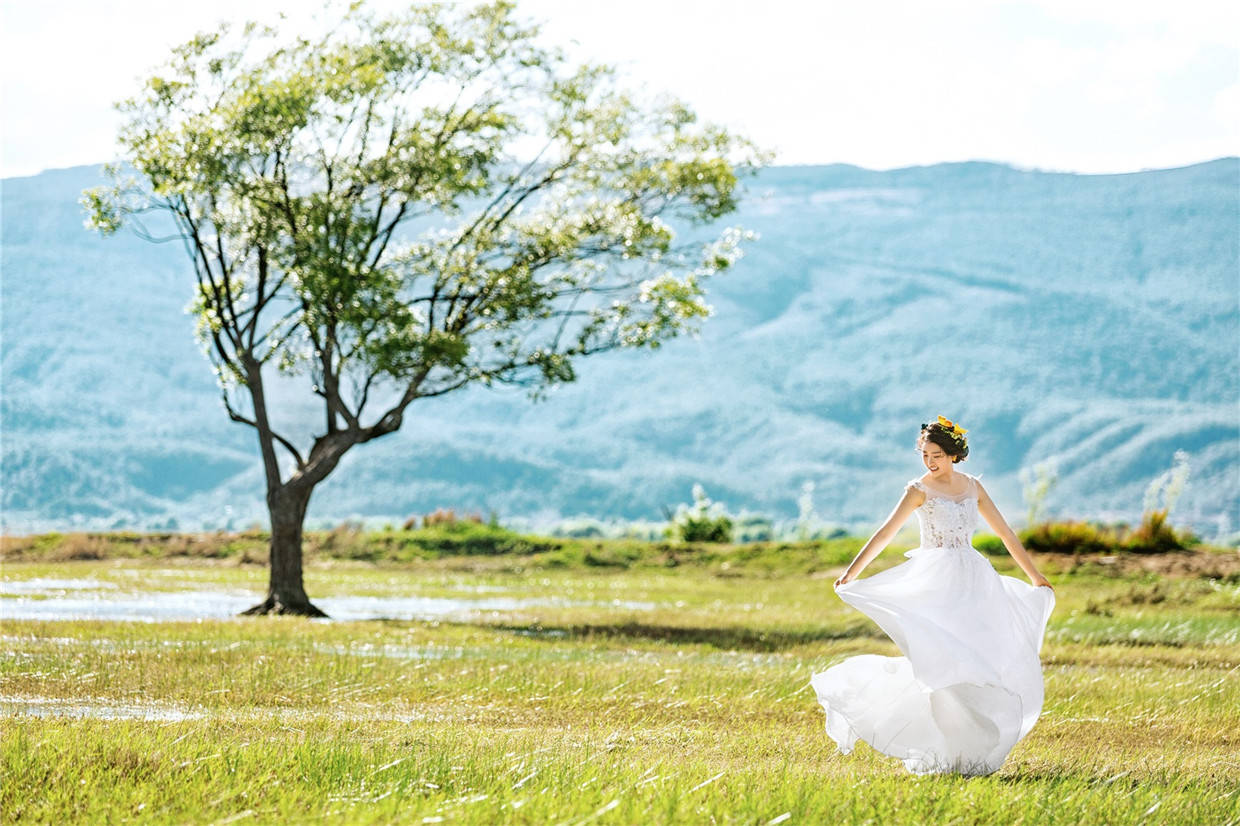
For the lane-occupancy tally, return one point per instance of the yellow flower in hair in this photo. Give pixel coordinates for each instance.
(956, 430)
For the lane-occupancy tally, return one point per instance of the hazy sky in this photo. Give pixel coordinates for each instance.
(1078, 85)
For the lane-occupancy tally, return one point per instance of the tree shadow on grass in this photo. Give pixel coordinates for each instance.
(732, 639)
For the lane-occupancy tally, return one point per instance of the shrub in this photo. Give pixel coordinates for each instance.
(448, 517)
(1154, 535)
(1067, 537)
(989, 544)
(342, 536)
(79, 546)
(469, 538)
(706, 521)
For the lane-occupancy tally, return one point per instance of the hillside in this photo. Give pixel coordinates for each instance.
(1093, 320)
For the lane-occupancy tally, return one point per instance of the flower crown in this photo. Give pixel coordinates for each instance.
(954, 430)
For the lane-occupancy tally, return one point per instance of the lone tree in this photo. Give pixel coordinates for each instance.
(408, 204)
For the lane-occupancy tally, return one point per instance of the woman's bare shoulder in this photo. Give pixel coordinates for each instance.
(977, 485)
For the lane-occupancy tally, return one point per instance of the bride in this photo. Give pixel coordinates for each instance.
(969, 685)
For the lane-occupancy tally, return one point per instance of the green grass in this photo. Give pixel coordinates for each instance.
(475, 544)
(696, 710)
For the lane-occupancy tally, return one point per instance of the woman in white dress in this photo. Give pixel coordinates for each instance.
(969, 685)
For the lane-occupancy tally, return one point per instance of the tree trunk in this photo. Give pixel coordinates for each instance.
(285, 592)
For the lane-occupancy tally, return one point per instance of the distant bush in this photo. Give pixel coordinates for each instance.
(78, 546)
(989, 544)
(444, 538)
(718, 529)
(705, 521)
(342, 536)
(1068, 537)
(1154, 535)
(448, 516)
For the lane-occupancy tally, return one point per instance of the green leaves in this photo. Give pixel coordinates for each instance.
(430, 198)
(409, 349)
(103, 211)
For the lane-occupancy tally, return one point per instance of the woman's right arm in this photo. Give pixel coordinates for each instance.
(911, 501)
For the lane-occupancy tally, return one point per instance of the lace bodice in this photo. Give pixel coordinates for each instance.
(947, 521)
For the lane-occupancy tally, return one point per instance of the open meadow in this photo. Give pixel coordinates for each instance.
(573, 681)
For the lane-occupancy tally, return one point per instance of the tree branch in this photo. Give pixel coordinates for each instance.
(237, 417)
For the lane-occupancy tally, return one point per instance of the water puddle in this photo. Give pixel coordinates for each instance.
(84, 599)
(58, 707)
(48, 585)
(51, 707)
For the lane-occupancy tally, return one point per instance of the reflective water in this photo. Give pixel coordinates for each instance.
(104, 709)
(59, 707)
(86, 599)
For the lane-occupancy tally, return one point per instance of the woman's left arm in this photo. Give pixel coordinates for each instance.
(1010, 541)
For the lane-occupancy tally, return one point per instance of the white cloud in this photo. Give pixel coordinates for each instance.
(1066, 84)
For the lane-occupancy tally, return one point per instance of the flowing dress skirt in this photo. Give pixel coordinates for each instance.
(969, 685)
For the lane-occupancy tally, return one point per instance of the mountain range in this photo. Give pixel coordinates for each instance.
(1091, 321)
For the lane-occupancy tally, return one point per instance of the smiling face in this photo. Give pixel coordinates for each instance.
(935, 458)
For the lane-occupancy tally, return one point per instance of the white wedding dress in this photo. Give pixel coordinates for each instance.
(969, 685)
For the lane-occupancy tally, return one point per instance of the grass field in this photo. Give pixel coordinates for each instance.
(605, 693)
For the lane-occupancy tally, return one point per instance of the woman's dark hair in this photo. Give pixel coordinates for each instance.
(954, 446)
